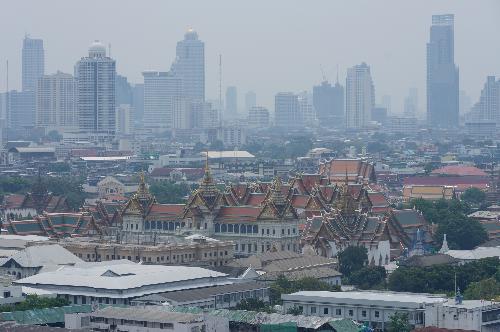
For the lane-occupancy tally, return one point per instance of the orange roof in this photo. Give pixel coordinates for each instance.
(459, 170)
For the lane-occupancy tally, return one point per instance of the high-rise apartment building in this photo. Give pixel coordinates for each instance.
(258, 117)
(21, 109)
(56, 103)
(96, 77)
(231, 103)
(33, 62)
(442, 74)
(138, 103)
(328, 103)
(488, 106)
(189, 65)
(411, 103)
(287, 110)
(360, 96)
(306, 109)
(123, 121)
(162, 91)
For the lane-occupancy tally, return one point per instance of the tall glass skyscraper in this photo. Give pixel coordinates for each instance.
(96, 77)
(33, 62)
(442, 74)
(189, 65)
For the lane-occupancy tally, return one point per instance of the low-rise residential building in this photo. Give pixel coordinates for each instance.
(372, 307)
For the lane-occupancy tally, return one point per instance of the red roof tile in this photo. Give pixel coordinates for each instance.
(459, 170)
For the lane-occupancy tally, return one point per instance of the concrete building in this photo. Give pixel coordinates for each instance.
(96, 77)
(402, 125)
(375, 308)
(411, 104)
(119, 282)
(231, 103)
(258, 117)
(124, 122)
(360, 96)
(442, 74)
(21, 109)
(472, 315)
(328, 101)
(33, 62)
(487, 109)
(162, 91)
(232, 136)
(189, 66)
(56, 103)
(287, 110)
(150, 319)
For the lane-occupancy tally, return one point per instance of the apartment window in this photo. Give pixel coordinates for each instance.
(377, 314)
(282, 231)
(242, 247)
(351, 312)
(313, 310)
(325, 311)
(289, 231)
(338, 312)
(363, 313)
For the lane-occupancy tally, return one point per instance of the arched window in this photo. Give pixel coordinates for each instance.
(223, 228)
(217, 228)
(177, 224)
(243, 229)
(249, 229)
(153, 224)
(165, 225)
(146, 225)
(230, 228)
(236, 228)
(171, 226)
(255, 229)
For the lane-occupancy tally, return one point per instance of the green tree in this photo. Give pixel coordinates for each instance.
(284, 286)
(69, 187)
(486, 289)
(295, 310)
(352, 259)
(399, 323)
(217, 145)
(34, 302)
(474, 196)
(169, 192)
(462, 232)
(254, 305)
(429, 167)
(369, 277)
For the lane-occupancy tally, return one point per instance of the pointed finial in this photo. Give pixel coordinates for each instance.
(206, 161)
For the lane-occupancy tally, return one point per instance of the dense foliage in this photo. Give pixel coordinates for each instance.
(451, 217)
(399, 323)
(169, 192)
(486, 289)
(293, 148)
(474, 196)
(440, 278)
(34, 302)
(284, 286)
(352, 259)
(369, 277)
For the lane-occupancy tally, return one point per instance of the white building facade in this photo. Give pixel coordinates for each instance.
(360, 96)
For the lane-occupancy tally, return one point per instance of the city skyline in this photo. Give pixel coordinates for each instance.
(395, 55)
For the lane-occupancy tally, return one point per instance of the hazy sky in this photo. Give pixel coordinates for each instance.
(267, 45)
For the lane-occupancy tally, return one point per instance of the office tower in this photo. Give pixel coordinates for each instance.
(250, 100)
(488, 106)
(123, 91)
(96, 77)
(162, 91)
(442, 74)
(286, 110)
(360, 96)
(258, 117)
(138, 104)
(189, 65)
(328, 103)
(123, 121)
(386, 102)
(21, 109)
(56, 103)
(231, 103)
(33, 66)
(204, 116)
(306, 109)
(411, 103)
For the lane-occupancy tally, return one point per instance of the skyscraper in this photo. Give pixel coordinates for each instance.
(231, 103)
(162, 91)
(96, 77)
(488, 106)
(287, 110)
(328, 103)
(411, 103)
(250, 100)
(33, 62)
(360, 96)
(442, 74)
(189, 65)
(56, 103)
(138, 104)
